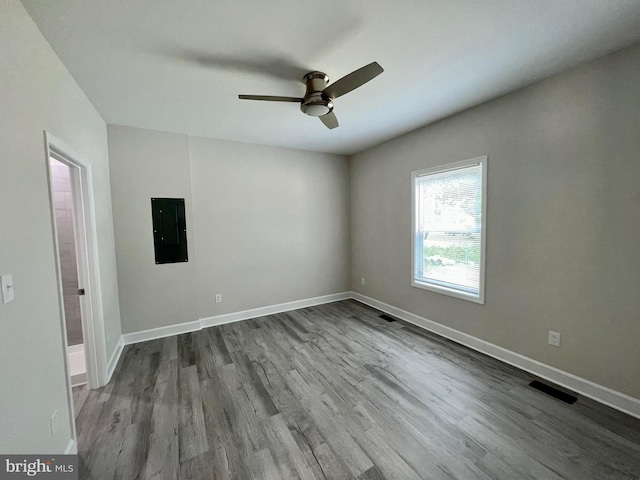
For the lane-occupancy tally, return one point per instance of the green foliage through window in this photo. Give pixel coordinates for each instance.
(460, 254)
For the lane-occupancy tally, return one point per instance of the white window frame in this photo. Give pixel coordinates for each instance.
(480, 297)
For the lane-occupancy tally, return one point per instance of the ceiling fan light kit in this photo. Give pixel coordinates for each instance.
(315, 103)
(319, 96)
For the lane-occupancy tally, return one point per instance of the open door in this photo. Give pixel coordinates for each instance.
(65, 217)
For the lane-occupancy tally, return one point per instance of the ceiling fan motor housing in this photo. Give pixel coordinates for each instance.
(316, 103)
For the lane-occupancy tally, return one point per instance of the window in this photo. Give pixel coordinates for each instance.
(449, 210)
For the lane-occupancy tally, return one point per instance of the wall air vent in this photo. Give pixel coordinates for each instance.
(554, 392)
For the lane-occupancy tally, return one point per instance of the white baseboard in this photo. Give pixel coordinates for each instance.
(115, 357)
(79, 379)
(605, 395)
(270, 310)
(160, 332)
(171, 330)
(72, 448)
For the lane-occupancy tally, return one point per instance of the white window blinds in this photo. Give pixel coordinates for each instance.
(448, 228)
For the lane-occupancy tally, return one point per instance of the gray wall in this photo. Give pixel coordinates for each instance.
(272, 225)
(146, 164)
(37, 93)
(264, 225)
(563, 223)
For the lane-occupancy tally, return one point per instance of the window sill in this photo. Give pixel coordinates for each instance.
(452, 292)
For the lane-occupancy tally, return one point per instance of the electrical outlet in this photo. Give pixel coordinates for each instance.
(361, 280)
(53, 422)
(554, 338)
(218, 298)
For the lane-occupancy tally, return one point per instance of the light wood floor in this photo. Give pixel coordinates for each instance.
(336, 392)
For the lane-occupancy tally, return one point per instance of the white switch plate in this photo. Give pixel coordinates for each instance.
(361, 280)
(7, 288)
(218, 298)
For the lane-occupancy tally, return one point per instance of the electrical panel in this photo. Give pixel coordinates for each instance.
(169, 230)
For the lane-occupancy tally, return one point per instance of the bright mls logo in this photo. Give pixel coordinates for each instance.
(59, 467)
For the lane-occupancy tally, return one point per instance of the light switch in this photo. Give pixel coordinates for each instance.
(7, 288)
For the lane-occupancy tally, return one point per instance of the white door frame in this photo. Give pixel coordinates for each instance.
(93, 331)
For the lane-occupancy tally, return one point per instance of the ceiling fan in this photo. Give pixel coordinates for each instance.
(318, 100)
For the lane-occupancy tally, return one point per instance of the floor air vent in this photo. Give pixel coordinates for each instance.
(554, 392)
(388, 318)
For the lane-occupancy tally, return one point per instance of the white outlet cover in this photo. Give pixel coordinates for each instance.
(554, 338)
(8, 293)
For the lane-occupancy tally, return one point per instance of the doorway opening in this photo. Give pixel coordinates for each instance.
(66, 226)
(75, 234)
(85, 243)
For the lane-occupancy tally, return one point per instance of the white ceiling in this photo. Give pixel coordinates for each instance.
(179, 65)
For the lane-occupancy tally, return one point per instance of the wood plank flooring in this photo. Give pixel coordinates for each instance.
(336, 392)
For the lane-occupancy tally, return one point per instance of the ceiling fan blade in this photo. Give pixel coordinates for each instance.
(269, 98)
(329, 120)
(353, 80)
